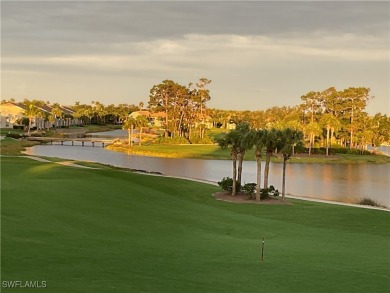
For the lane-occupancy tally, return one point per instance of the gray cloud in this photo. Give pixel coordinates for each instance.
(130, 21)
(241, 46)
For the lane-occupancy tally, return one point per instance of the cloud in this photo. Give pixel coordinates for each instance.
(222, 51)
(286, 48)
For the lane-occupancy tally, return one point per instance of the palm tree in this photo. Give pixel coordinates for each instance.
(245, 143)
(232, 141)
(58, 113)
(141, 122)
(31, 112)
(129, 126)
(270, 143)
(286, 140)
(257, 138)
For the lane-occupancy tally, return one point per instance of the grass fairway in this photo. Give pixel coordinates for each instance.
(87, 230)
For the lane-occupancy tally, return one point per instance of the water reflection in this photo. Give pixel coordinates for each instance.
(339, 182)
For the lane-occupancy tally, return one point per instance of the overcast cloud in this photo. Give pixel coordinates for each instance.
(257, 54)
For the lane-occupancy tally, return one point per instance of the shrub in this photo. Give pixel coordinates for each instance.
(268, 192)
(227, 184)
(272, 191)
(249, 189)
(13, 135)
(369, 202)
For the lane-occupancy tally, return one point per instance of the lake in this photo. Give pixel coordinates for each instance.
(337, 182)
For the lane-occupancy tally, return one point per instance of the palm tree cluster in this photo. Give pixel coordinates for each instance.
(244, 138)
(131, 123)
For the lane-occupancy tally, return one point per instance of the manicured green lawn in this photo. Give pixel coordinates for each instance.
(106, 230)
(177, 151)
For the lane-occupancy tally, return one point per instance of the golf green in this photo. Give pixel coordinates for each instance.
(105, 230)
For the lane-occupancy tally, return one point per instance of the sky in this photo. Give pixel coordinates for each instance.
(257, 54)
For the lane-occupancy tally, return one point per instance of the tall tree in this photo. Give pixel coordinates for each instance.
(313, 129)
(129, 125)
(203, 96)
(232, 141)
(58, 114)
(258, 140)
(312, 102)
(244, 143)
(329, 122)
(31, 112)
(100, 111)
(287, 139)
(270, 144)
(380, 126)
(141, 122)
(355, 102)
(161, 96)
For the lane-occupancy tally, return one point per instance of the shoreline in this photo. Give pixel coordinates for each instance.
(71, 163)
(200, 152)
(304, 198)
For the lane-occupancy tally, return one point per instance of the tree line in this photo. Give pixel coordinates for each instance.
(326, 118)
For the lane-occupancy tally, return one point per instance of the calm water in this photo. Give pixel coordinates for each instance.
(338, 182)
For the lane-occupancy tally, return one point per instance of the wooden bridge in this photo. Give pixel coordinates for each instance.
(50, 140)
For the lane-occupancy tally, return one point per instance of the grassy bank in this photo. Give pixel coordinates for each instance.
(84, 230)
(14, 147)
(216, 153)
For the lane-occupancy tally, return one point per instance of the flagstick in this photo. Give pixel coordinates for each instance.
(262, 250)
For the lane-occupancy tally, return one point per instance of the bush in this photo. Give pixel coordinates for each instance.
(227, 184)
(369, 202)
(272, 191)
(249, 189)
(268, 192)
(13, 135)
